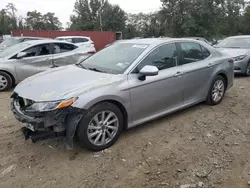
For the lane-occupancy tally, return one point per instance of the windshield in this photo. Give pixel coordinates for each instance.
(235, 43)
(116, 58)
(9, 42)
(13, 49)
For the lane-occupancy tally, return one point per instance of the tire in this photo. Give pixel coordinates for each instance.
(212, 101)
(5, 81)
(247, 72)
(88, 127)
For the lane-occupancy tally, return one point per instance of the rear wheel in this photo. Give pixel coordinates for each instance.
(216, 91)
(100, 127)
(5, 81)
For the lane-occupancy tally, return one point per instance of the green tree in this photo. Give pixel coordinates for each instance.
(34, 20)
(97, 15)
(51, 22)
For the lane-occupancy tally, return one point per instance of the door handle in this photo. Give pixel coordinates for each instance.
(178, 74)
(47, 59)
(209, 65)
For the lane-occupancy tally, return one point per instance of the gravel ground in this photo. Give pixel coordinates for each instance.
(202, 146)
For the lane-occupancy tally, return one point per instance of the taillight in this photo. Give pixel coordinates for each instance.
(91, 52)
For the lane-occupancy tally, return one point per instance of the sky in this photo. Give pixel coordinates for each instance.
(64, 8)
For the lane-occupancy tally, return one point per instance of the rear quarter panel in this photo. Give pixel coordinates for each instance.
(224, 65)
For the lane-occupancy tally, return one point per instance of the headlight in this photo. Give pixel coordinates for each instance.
(49, 106)
(239, 58)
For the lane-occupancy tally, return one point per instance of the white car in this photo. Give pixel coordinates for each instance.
(78, 40)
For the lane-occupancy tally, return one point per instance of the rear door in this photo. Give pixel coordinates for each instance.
(64, 54)
(38, 59)
(196, 69)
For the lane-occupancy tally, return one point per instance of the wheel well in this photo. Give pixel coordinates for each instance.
(225, 78)
(123, 110)
(12, 77)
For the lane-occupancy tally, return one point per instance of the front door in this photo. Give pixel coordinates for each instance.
(197, 69)
(160, 93)
(38, 59)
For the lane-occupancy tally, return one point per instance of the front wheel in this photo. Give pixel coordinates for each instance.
(5, 81)
(216, 91)
(100, 127)
(247, 73)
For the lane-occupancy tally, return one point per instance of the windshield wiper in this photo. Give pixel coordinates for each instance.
(96, 70)
(233, 47)
(80, 65)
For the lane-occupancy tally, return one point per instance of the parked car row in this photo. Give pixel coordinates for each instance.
(26, 56)
(128, 83)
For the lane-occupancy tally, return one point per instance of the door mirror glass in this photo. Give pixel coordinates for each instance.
(148, 70)
(20, 55)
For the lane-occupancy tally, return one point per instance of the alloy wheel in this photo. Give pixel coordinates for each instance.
(218, 90)
(103, 128)
(3, 82)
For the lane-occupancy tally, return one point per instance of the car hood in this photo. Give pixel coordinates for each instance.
(233, 52)
(63, 83)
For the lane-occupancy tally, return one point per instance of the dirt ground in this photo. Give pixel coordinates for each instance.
(202, 146)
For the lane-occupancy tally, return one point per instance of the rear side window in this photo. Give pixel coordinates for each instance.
(62, 47)
(80, 40)
(192, 52)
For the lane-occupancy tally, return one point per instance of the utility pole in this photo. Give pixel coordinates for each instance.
(100, 16)
(101, 19)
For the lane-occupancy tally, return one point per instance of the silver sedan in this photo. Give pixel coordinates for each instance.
(124, 85)
(28, 58)
(238, 48)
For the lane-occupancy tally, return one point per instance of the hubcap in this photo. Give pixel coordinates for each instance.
(218, 90)
(103, 128)
(3, 82)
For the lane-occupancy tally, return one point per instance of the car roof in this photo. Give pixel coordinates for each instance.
(65, 37)
(34, 42)
(240, 36)
(155, 41)
(42, 38)
(195, 38)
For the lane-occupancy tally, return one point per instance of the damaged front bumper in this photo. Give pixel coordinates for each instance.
(45, 125)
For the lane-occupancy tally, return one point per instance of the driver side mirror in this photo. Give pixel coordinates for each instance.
(148, 70)
(20, 55)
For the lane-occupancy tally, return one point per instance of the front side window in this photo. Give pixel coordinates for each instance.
(39, 50)
(192, 52)
(163, 57)
(116, 58)
(63, 47)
